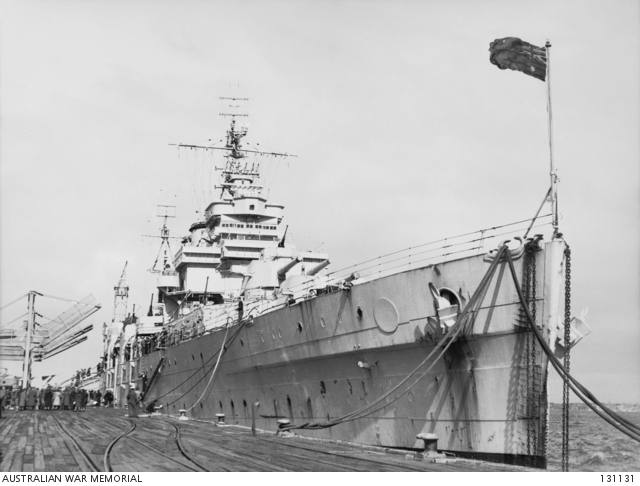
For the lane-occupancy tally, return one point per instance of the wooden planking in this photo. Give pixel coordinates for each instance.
(35, 441)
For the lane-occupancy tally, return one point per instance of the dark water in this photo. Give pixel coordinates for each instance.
(594, 445)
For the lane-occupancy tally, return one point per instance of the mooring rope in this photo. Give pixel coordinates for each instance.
(449, 339)
(623, 425)
(231, 340)
(215, 368)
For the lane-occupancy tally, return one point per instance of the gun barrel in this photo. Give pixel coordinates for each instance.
(318, 267)
(352, 277)
(285, 268)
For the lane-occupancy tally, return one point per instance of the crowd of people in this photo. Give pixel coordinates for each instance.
(143, 345)
(69, 398)
(52, 398)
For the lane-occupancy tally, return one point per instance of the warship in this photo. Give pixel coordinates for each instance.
(435, 342)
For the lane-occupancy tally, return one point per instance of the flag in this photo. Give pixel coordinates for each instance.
(513, 53)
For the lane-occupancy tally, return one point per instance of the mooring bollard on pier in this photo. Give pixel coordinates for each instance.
(183, 414)
(282, 431)
(430, 446)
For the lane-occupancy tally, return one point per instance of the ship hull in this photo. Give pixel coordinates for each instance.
(326, 357)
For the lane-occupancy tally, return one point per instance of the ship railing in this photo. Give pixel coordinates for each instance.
(427, 254)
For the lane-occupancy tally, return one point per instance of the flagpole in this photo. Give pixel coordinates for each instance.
(552, 172)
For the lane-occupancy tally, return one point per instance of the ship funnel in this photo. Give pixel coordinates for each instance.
(285, 268)
(318, 267)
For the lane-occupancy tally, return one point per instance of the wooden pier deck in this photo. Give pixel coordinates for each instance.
(102, 439)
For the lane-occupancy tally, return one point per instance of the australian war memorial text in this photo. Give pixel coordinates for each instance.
(71, 478)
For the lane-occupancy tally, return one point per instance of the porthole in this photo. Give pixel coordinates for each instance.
(193, 357)
(241, 342)
(201, 357)
(175, 362)
(279, 333)
(273, 334)
(261, 337)
(299, 326)
(322, 321)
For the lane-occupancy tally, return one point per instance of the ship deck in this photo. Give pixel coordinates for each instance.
(105, 439)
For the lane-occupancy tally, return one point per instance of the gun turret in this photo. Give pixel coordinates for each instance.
(282, 272)
(318, 267)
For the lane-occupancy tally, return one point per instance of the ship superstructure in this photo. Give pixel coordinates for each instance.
(239, 251)
(430, 341)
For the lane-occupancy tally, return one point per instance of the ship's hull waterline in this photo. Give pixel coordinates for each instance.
(323, 358)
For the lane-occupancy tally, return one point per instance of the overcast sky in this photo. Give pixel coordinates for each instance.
(404, 131)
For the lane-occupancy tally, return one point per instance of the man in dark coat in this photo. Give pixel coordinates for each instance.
(97, 397)
(132, 402)
(85, 400)
(78, 398)
(48, 398)
(32, 397)
(108, 398)
(22, 400)
(66, 399)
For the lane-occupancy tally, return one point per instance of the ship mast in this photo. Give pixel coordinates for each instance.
(167, 268)
(238, 175)
(552, 171)
(120, 297)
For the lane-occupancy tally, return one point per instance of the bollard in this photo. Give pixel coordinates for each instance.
(220, 419)
(282, 423)
(183, 414)
(430, 443)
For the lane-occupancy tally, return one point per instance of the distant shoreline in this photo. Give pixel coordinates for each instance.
(616, 407)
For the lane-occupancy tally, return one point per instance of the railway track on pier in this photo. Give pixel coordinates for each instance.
(100, 458)
(106, 440)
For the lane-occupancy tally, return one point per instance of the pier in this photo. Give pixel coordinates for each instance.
(106, 440)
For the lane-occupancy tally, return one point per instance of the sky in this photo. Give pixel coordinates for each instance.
(404, 133)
